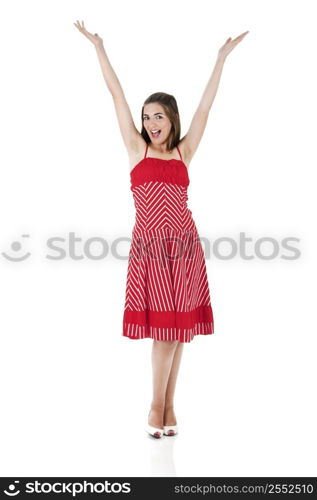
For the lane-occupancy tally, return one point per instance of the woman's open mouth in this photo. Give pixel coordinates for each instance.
(155, 133)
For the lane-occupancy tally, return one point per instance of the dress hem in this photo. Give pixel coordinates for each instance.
(138, 332)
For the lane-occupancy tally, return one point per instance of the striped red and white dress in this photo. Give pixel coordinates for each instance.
(167, 294)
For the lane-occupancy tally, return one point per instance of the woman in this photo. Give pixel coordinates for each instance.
(167, 293)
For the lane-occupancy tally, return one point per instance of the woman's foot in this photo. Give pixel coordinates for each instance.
(155, 421)
(169, 420)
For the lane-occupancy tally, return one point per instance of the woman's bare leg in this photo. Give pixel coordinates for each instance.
(169, 415)
(162, 359)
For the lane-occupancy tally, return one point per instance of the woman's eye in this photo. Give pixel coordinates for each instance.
(145, 117)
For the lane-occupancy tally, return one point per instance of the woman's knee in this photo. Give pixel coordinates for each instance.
(169, 344)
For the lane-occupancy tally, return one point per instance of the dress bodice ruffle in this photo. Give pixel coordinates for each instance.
(156, 169)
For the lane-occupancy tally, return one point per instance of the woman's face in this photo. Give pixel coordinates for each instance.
(155, 119)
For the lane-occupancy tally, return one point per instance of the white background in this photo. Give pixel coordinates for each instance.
(76, 393)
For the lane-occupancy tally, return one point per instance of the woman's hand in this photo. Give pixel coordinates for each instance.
(230, 44)
(95, 39)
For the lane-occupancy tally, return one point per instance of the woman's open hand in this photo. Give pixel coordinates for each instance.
(95, 39)
(230, 44)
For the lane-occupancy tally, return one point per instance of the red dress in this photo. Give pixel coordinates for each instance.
(167, 293)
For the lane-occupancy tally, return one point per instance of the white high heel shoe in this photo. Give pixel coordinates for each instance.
(154, 431)
(170, 430)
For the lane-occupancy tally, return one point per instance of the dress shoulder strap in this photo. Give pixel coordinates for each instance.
(179, 153)
(146, 150)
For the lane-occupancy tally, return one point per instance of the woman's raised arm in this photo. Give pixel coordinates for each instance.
(198, 124)
(129, 132)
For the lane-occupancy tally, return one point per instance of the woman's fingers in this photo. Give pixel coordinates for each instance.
(77, 24)
(237, 40)
(241, 36)
(94, 38)
(230, 44)
(81, 27)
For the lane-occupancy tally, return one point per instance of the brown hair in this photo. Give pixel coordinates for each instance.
(168, 102)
